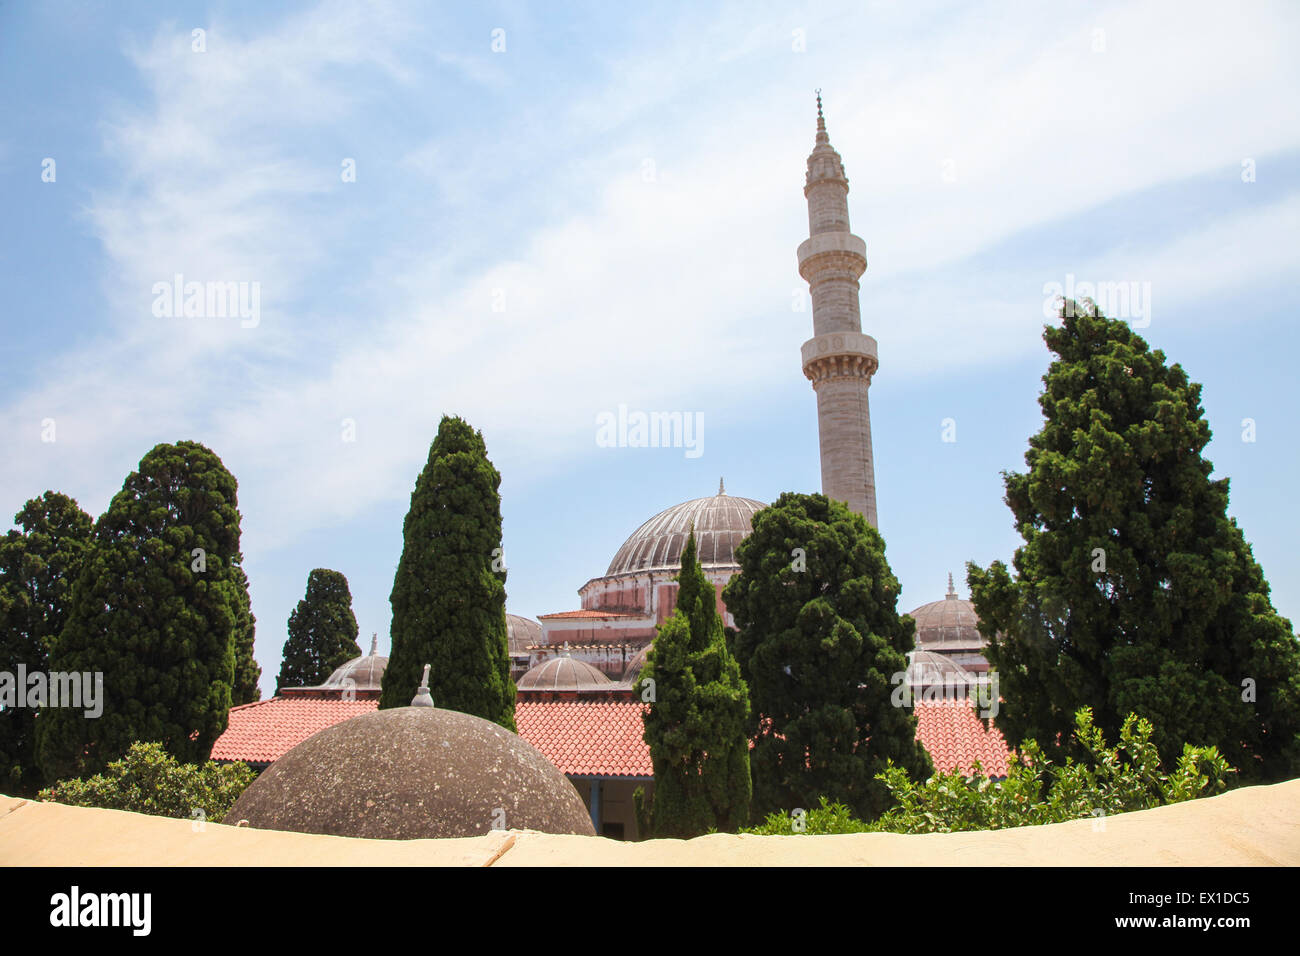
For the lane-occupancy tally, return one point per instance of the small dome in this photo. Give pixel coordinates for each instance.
(949, 623)
(721, 523)
(563, 673)
(360, 673)
(634, 666)
(926, 668)
(412, 773)
(523, 631)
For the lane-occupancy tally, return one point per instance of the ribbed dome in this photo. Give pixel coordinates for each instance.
(522, 631)
(950, 623)
(927, 668)
(721, 523)
(360, 673)
(633, 671)
(563, 673)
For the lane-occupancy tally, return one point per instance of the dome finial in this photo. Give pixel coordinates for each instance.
(374, 643)
(952, 593)
(423, 698)
(821, 120)
(722, 488)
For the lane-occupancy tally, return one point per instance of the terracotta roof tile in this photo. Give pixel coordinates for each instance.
(264, 731)
(584, 737)
(954, 736)
(587, 738)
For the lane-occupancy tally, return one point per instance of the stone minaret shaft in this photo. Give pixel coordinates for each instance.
(839, 360)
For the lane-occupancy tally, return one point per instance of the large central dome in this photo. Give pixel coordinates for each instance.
(721, 523)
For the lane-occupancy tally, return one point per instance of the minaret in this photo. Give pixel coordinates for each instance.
(839, 360)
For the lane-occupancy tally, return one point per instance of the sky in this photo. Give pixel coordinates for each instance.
(529, 215)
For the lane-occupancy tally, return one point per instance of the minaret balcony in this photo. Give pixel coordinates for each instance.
(832, 252)
(839, 353)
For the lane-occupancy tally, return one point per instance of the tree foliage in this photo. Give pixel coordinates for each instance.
(322, 632)
(697, 720)
(38, 566)
(819, 641)
(149, 780)
(155, 610)
(449, 593)
(1134, 591)
(247, 671)
(1109, 780)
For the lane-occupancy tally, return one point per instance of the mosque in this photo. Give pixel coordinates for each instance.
(576, 670)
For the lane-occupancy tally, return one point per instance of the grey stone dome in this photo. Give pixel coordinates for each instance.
(721, 522)
(563, 673)
(632, 673)
(522, 632)
(360, 673)
(411, 773)
(949, 624)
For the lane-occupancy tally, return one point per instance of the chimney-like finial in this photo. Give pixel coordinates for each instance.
(374, 643)
(423, 698)
(952, 593)
(722, 488)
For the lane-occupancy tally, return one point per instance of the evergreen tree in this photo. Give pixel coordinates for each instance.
(247, 671)
(449, 597)
(155, 611)
(819, 643)
(322, 632)
(696, 724)
(38, 566)
(1134, 591)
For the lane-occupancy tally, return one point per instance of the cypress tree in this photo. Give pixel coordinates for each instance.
(322, 632)
(38, 565)
(449, 597)
(1134, 591)
(247, 671)
(697, 720)
(820, 640)
(154, 610)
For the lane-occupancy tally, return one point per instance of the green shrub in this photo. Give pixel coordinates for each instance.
(1112, 780)
(828, 818)
(149, 780)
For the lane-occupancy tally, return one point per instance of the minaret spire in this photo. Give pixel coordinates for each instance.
(839, 360)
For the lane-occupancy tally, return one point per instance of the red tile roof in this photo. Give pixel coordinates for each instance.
(264, 731)
(587, 737)
(954, 736)
(584, 737)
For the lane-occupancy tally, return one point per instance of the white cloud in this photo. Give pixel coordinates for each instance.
(674, 294)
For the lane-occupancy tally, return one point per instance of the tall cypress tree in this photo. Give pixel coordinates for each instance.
(155, 610)
(449, 596)
(1134, 591)
(697, 721)
(38, 566)
(820, 640)
(247, 671)
(322, 632)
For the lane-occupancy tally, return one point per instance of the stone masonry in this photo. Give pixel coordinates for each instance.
(839, 359)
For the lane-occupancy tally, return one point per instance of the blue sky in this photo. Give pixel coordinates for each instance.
(606, 212)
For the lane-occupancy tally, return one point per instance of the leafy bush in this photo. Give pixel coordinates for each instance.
(828, 818)
(1112, 780)
(149, 780)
